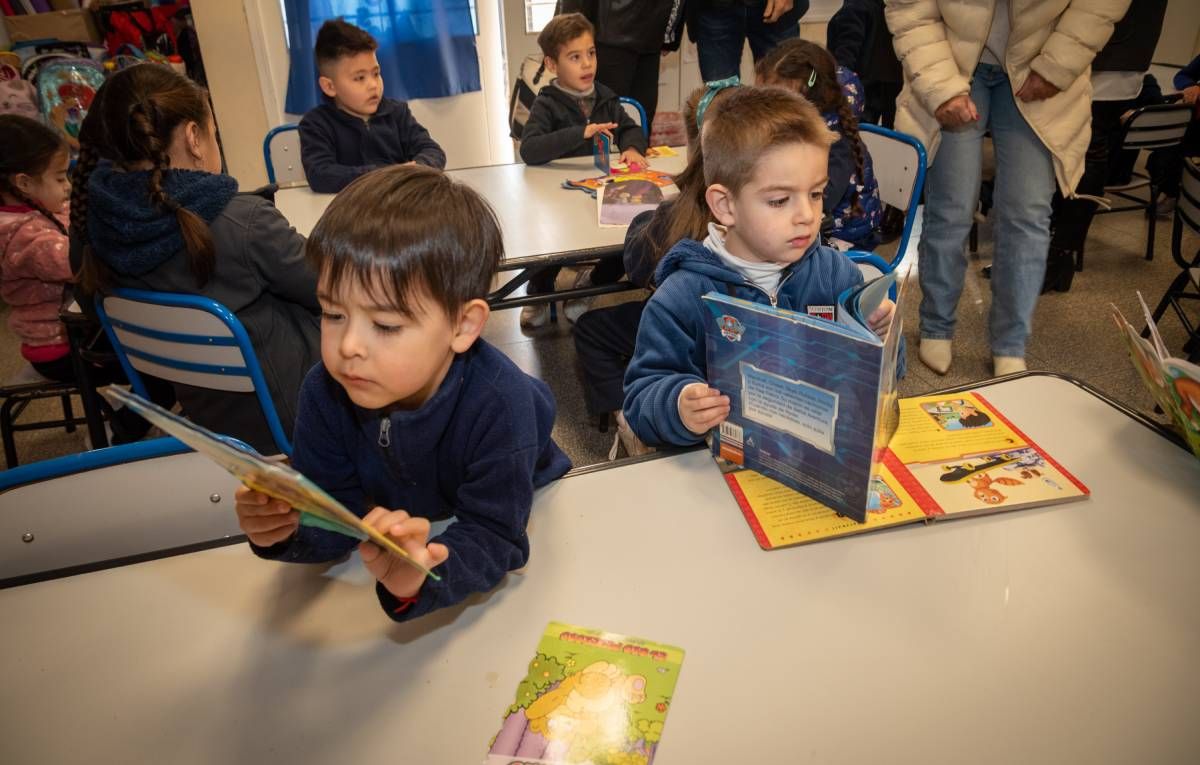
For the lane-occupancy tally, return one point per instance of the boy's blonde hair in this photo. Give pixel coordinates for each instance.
(561, 30)
(750, 122)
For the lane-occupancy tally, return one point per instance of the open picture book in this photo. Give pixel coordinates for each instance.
(1173, 382)
(812, 396)
(317, 508)
(589, 697)
(952, 456)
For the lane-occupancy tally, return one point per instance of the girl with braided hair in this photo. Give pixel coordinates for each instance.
(852, 196)
(152, 210)
(34, 272)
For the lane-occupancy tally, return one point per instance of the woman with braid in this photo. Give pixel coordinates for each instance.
(852, 196)
(155, 212)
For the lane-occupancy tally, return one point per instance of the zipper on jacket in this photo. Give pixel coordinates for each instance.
(385, 432)
(773, 297)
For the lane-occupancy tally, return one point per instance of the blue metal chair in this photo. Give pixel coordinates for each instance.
(872, 266)
(900, 163)
(638, 113)
(186, 339)
(111, 506)
(282, 146)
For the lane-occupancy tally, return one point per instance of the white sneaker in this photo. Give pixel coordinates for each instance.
(1007, 365)
(633, 445)
(534, 316)
(573, 309)
(935, 354)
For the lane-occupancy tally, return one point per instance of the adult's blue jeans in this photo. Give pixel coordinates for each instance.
(721, 32)
(1024, 188)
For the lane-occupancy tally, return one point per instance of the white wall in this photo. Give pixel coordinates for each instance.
(246, 57)
(1180, 39)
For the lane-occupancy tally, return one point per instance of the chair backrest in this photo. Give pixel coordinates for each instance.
(872, 266)
(281, 153)
(637, 113)
(899, 163)
(186, 339)
(1188, 207)
(1157, 126)
(77, 513)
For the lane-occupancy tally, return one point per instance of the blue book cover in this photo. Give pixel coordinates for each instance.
(812, 401)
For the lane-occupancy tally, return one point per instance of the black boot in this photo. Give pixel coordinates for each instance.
(1060, 270)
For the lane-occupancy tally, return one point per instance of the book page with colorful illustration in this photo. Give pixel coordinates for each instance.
(957, 455)
(589, 697)
(780, 516)
(951, 455)
(317, 508)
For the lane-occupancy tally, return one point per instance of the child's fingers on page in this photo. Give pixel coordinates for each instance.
(272, 508)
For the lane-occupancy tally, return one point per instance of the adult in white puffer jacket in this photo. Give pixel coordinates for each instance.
(1019, 68)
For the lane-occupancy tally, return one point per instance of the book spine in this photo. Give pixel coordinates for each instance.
(748, 511)
(1029, 441)
(915, 490)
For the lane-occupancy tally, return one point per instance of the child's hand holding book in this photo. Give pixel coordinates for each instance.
(265, 521)
(881, 318)
(412, 535)
(702, 408)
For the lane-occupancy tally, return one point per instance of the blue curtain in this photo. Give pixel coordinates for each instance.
(426, 47)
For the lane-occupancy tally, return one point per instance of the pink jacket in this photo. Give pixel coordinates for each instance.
(34, 272)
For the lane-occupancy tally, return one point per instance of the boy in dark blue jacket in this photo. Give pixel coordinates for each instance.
(357, 130)
(766, 156)
(410, 417)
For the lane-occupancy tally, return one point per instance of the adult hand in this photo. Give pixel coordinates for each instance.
(774, 9)
(956, 112)
(1036, 88)
(1191, 94)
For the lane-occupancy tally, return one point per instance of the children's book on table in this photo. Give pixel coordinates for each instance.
(812, 396)
(273, 478)
(589, 696)
(1173, 382)
(817, 445)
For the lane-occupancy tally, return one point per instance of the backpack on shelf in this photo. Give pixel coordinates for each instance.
(530, 81)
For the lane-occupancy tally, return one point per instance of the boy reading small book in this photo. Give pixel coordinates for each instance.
(766, 152)
(357, 129)
(410, 417)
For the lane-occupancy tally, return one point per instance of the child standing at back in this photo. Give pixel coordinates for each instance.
(564, 120)
(766, 154)
(409, 408)
(357, 130)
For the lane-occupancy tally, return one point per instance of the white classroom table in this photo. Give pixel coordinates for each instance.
(1054, 635)
(538, 217)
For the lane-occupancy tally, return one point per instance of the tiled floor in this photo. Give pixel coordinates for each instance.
(1072, 335)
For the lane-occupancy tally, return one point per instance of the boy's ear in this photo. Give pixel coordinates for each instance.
(326, 85)
(550, 64)
(471, 320)
(720, 203)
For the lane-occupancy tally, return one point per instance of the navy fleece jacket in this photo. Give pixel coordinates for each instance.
(475, 452)
(671, 351)
(337, 147)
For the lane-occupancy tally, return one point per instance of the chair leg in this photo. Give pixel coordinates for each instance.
(1153, 212)
(973, 239)
(68, 412)
(6, 432)
(1079, 257)
(1177, 286)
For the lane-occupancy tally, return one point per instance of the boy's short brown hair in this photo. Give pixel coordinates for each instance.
(749, 122)
(561, 30)
(406, 231)
(338, 39)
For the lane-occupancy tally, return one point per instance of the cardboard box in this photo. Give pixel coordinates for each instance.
(70, 26)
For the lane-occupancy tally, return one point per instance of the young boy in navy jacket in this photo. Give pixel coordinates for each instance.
(766, 156)
(357, 130)
(410, 417)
